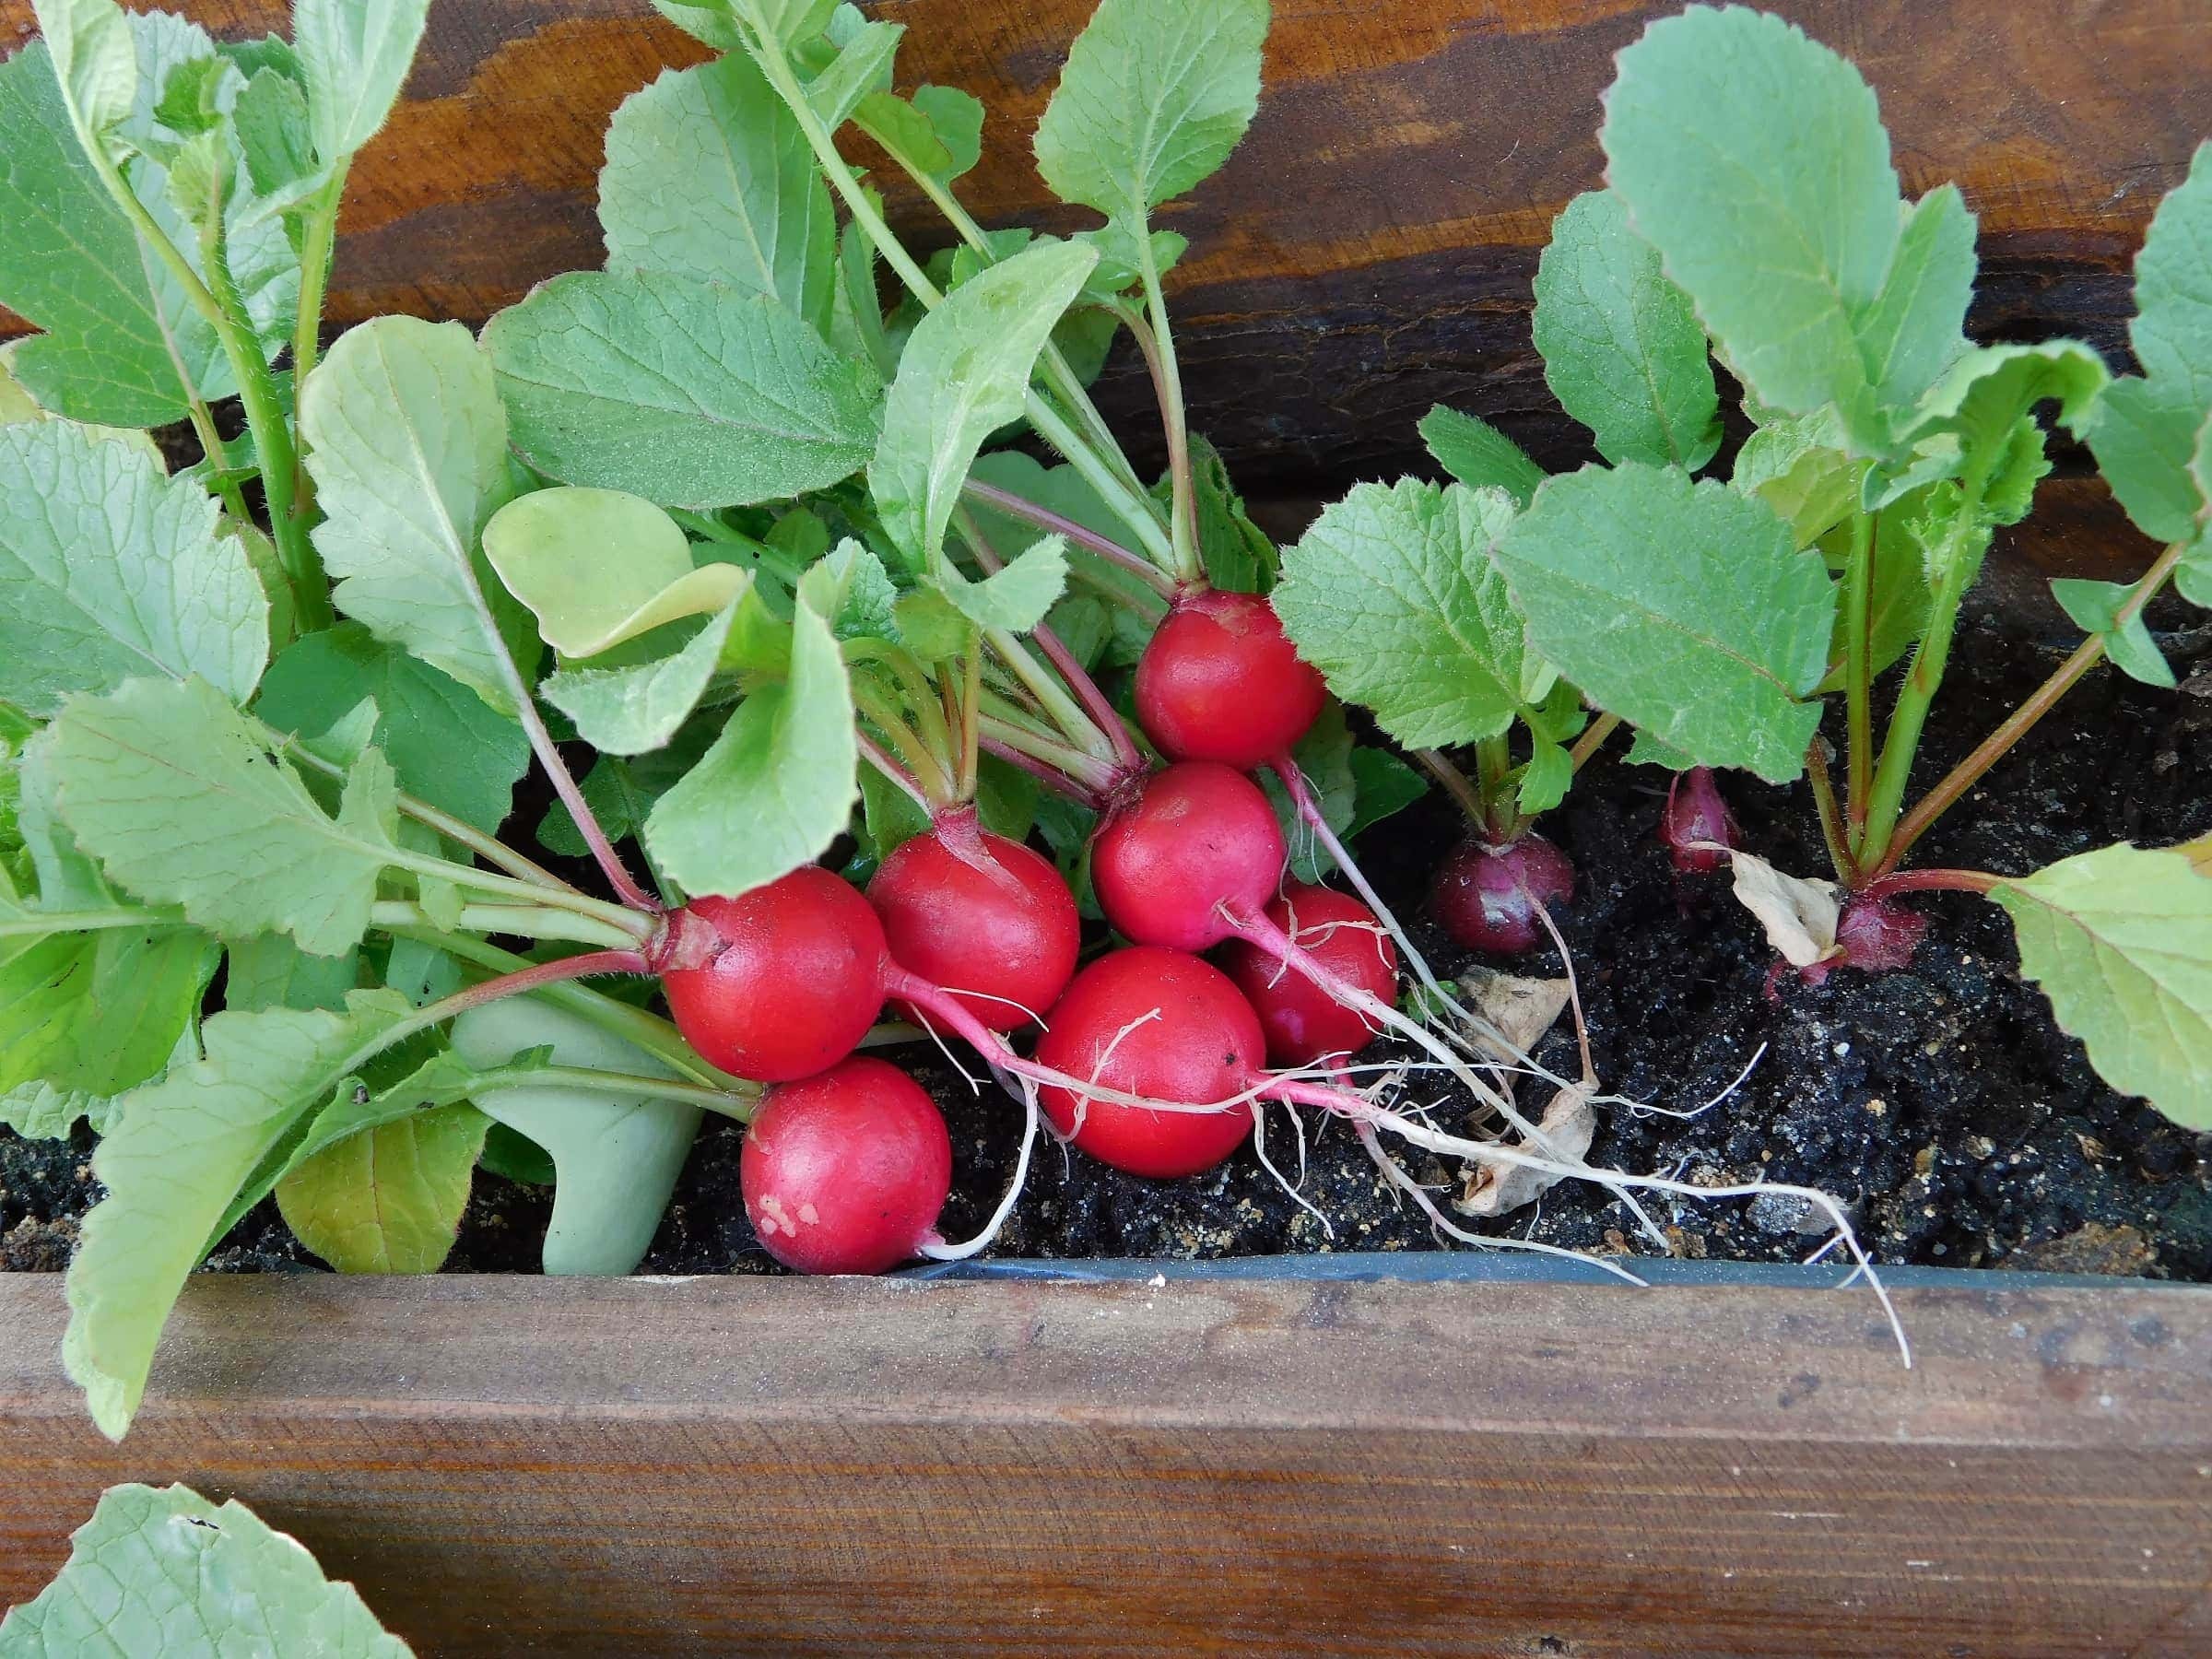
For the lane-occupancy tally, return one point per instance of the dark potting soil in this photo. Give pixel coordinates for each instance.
(1940, 1104)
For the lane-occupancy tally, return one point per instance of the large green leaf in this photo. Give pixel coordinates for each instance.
(1392, 595)
(616, 1156)
(965, 373)
(2121, 941)
(182, 798)
(446, 745)
(166, 1574)
(689, 394)
(777, 787)
(387, 1199)
(1622, 350)
(94, 1014)
(1685, 609)
(93, 60)
(354, 56)
(708, 175)
(179, 1150)
(1754, 161)
(110, 570)
(408, 449)
(1155, 95)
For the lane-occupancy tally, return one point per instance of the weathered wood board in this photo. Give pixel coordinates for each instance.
(786, 1467)
(1370, 250)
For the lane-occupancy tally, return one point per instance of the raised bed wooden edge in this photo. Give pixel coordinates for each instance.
(787, 1467)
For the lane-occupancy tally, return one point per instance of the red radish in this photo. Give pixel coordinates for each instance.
(846, 1172)
(1166, 1025)
(981, 915)
(779, 982)
(1221, 682)
(1197, 837)
(1486, 896)
(1872, 935)
(1695, 815)
(1303, 1022)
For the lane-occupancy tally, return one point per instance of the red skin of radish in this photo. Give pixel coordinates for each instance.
(978, 913)
(1198, 835)
(1483, 894)
(1220, 681)
(846, 1172)
(1303, 1022)
(1205, 1045)
(1695, 812)
(1876, 935)
(788, 981)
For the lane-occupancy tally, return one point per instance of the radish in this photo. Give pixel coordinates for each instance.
(1486, 896)
(980, 914)
(846, 1172)
(1303, 1022)
(1220, 681)
(1697, 826)
(776, 984)
(1163, 1025)
(1195, 849)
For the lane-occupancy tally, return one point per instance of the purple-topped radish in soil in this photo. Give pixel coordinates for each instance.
(1486, 896)
(848, 1170)
(1696, 825)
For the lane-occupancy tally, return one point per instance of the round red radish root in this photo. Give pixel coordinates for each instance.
(1199, 836)
(1696, 814)
(1221, 682)
(1303, 1022)
(779, 982)
(847, 1172)
(1486, 897)
(1166, 1025)
(981, 915)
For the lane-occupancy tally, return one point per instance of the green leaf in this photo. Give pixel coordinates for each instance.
(1239, 559)
(710, 21)
(388, 1199)
(167, 1573)
(275, 133)
(1544, 778)
(621, 791)
(551, 549)
(615, 1157)
(1392, 595)
(178, 1151)
(513, 1156)
(1155, 95)
(2142, 435)
(1985, 394)
(2094, 607)
(1817, 282)
(635, 710)
(777, 787)
(784, 23)
(183, 801)
(268, 971)
(938, 133)
(1385, 785)
(2193, 576)
(1801, 468)
(1685, 609)
(1908, 540)
(40, 1111)
(1016, 598)
(446, 746)
(1479, 454)
(862, 65)
(1622, 351)
(354, 56)
(110, 570)
(96, 1013)
(708, 176)
(2121, 941)
(689, 393)
(408, 446)
(94, 60)
(964, 374)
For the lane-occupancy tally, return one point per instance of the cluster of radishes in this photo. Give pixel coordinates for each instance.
(1151, 1058)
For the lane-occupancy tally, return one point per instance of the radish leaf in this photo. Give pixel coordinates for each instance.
(2121, 941)
(354, 56)
(93, 1014)
(633, 710)
(687, 393)
(1685, 609)
(387, 1199)
(1479, 454)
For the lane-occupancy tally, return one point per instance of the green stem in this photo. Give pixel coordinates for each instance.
(320, 239)
(1183, 519)
(972, 717)
(728, 1103)
(217, 453)
(1858, 676)
(1082, 536)
(636, 926)
(1439, 765)
(1902, 742)
(1993, 748)
(531, 976)
(1817, 755)
(37, 923)
(913, 754)
(1592, 739)
(520, 920)
(1086, 769)
(1932, 881)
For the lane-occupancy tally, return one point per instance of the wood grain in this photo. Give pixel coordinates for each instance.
(797, 1467)
(1370, 249)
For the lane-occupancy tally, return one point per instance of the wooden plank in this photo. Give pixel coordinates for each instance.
(787, 1467)
(1370, 249)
